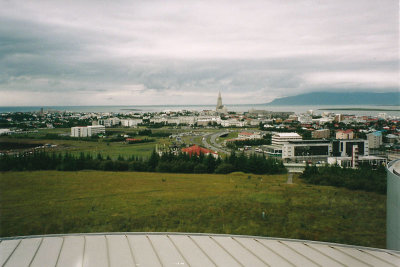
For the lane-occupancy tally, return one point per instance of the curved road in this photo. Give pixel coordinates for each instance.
(213, 145)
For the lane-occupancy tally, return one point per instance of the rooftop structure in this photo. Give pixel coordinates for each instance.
(282, 138)
(181, 249)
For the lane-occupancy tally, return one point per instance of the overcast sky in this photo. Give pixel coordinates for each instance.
(184, 52)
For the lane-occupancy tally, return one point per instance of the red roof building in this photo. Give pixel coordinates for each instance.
(197, 150)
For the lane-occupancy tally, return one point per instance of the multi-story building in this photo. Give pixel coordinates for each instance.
(189, 120)
(232, 122)
(344, 134)
(282, 138)
(321, 134)
(375, 139)
(87, 131)
(247, 135)
(307, 149)
(305, 119)
(344, 148)
(338, 117)
(173, 120)
(110, 122)
(158, 120)
(130, 122)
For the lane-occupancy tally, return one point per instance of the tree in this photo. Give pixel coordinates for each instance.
(224, 168)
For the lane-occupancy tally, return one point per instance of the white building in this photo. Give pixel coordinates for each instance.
(382, 116)
(173, 120)
(324, 120)
(254, 122)
(306, 149)
(305, 119)
(130, 122)
(189, 120)
(87, 131)
(374, 139)
(158, 120)
(5, 131)
(247, 135)
(232, 122)
(282, 138)
(110, 122)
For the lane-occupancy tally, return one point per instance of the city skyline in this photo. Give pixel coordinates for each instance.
(156, 53)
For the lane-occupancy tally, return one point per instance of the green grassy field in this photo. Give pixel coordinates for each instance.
(112, 149)
(46, 202)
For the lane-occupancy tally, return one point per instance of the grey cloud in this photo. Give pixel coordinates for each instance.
(257, 47)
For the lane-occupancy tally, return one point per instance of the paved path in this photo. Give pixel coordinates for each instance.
(213, 145)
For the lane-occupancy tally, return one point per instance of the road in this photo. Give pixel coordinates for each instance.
(213, 145)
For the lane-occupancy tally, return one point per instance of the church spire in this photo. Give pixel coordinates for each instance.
(219, 101)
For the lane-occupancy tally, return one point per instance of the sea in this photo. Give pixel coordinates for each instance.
(365, 110)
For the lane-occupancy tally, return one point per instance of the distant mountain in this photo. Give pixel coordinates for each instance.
(327, 98)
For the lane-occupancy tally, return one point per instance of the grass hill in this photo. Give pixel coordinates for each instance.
(47, 202)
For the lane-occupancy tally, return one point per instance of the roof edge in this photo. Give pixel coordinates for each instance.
(202, 234)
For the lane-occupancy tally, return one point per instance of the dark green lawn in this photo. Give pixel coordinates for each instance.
(46, 202)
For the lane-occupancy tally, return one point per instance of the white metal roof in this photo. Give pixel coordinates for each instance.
(395, 167)
(180, 249)
(287, 134)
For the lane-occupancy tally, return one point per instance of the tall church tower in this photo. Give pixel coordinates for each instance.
(220, 108)
(219, 101)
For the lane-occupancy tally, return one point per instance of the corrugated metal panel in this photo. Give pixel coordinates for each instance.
(311, 253)
(143, 252)
(72, 251)
(365, 257)
(291, 255)
(48, 252)
(338, 255)
(119, 251)
(96, 252)
(267, 255)
(169, 249)
(243, 255)
(214, 251)
(23, 255)
(6, 249)
(166, 251)
(193, 254)
(388, 257)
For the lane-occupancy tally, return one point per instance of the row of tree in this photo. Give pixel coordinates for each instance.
(250, 142)
(364, 178)
(167, 162)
